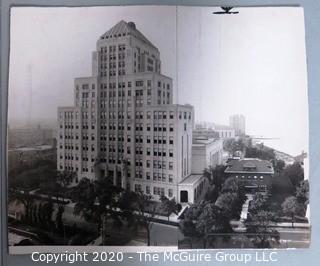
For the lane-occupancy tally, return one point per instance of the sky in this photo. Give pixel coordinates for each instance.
(252, 63)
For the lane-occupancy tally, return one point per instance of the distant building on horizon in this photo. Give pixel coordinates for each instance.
(30, 136)
(238, 123)
(212, 130)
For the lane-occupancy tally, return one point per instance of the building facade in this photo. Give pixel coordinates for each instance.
(224, 132)
(238, 123)
(123, 123)
(206, 153)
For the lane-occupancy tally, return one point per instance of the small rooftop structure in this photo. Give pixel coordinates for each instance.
(124, 28)
(250, 165)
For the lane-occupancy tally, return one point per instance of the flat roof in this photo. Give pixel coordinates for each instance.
(191, 179)
(36, 148)
(250, 165)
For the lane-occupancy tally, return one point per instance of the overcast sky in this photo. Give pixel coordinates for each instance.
(251, 63)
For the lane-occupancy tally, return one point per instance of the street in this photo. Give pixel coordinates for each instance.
(166, 235)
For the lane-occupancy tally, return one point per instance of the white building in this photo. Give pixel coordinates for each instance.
(224, 132)
(123, 123)
(206, 153)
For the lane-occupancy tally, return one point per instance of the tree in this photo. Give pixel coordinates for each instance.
(230, 185)
(278, 165)
(231, 198)
(211, 194)
(146, 212)
(97, 201)
(169, 206)
(258, 229)
(210, 222)
(258, 202)
(47, 211)
(295, 173)
(215, 176)
(232, 145)
(302, 192)
(26, 199)
(64, 179)
(227, 202)
(205, 220)
(263, 153)
(292, 207)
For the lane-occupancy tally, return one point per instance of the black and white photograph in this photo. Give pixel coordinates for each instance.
(163, 126)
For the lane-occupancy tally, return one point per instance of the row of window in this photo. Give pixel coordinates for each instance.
(250, 177)
(113, 64)
(139, 139)
(137, 83)
(113, 48)
(112, 73)
(138, 114)
(139, 127)
(112, 137)
(159, 191)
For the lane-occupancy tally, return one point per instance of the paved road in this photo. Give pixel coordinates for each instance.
(165, 235)
(295, 237)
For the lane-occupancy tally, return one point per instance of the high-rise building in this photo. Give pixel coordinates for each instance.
(123, 123)
(238, 123)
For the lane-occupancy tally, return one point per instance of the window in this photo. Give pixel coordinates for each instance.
(170, 165)
(148, 189)
(139, 83)
(170, 192)
(137, 187)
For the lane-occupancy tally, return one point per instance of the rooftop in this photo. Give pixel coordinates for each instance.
(203, 141)
(191, 179)
(35, 148)
(124, 28)
(250, 165)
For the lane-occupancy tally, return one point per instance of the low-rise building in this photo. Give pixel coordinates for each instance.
(252, 173)
(191, 188)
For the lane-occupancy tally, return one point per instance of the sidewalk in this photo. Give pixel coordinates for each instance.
(284, 225)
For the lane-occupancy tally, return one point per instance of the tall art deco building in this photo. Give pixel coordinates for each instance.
(123, 123)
